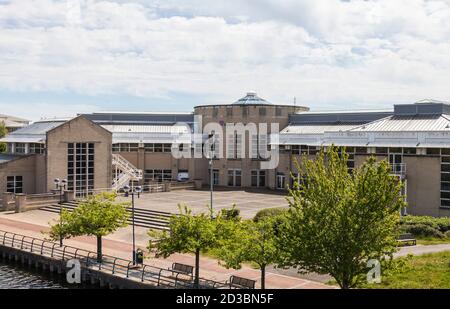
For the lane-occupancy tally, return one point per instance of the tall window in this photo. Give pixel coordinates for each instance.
(258, 178)
(14, 184)
(234, 177)
(234, 146)
(80, 167)
(445, 178)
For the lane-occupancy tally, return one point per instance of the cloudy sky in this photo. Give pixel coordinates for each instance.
(58, 58)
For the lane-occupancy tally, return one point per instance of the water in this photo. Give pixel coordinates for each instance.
(14, 276)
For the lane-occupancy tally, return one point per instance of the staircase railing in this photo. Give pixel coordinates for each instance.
(128, 172)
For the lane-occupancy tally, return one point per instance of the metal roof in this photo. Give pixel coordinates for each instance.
(250, 99)
(34, 133)
(140, 118)
(357, 117)
(407, 123)
(316, 128)
(146, 129)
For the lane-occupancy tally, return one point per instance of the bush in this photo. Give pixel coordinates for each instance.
(440, 224)
(422, 230)
(269, 212)
(447, 234)
(231, 214)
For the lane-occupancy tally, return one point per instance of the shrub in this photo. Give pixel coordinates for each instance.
(269, 212)
(447, 234)
(231, 214)
(422, 230)
(440, 224)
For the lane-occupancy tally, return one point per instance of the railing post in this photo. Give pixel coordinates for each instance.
(32, 243)
(53, 248)
(114, 266)
(21, 244)
(12, 243)
(143, 272)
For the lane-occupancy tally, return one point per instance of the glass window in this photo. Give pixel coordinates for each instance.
(36, 148)
(381, 150)
(262, 111)
(167, 147)
(149, 147)
(215, 112)
(80, 167)
(409, 150)
(158, 147)
(433, 151)
(229, 111)
(445, 151)
(278, 111)
(14, 184)
(19, 147)
(361, 150)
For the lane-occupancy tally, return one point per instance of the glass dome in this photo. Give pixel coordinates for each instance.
(251, 98)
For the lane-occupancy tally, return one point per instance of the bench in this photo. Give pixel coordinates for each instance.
(182, 269)
(243, 283)
(407, 239)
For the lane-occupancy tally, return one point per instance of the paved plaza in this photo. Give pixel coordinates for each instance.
(249, 202)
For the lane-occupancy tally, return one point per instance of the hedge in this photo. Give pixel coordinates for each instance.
(269, 212)
(426, 226)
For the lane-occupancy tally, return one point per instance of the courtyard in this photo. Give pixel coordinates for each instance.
(248, 201)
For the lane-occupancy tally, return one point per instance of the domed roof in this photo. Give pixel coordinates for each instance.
(251, 98)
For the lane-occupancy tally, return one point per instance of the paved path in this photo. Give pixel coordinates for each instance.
(209, 268)
(422, 249)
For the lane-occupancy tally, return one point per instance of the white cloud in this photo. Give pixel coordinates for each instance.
(325, 52)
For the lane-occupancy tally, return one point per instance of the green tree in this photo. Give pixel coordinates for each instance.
(250, 241)
(189, 233)
(339, 220)
(3, 132)
(98, 215)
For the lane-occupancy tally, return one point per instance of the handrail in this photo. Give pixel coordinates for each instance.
(109, 264)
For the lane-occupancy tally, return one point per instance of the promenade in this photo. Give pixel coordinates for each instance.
(36, 224)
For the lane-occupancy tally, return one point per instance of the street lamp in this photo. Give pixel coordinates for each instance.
(132, 191)
(60, 185)
(211, 176)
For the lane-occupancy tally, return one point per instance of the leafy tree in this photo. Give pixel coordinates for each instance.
(189, 233)
(3, 132)
(98, 215)
(252, 242)
(339, 220)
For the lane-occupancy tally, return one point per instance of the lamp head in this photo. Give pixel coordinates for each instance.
(138, 189)
(126, 189)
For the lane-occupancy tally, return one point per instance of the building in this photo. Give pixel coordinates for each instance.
(108, 150)
(13, 123)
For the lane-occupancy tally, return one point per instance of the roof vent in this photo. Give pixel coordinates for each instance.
(251, 98)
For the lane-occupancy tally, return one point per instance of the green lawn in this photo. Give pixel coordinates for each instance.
(432, 241)
(428, 271)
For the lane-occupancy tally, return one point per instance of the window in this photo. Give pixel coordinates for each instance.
(157, 175)
(234, 146)
(409, 150)
(258, 178)
(215, 176)
(167, 147)
(80, 167)
(278, 111)
(125, 147)
(10, 148)
(36, 148)
(262, 111)
(234, 177)
(14, 184)
(158, 148)
(445, 180)
(149, 147)
(304, 149)
(361, 150)
(381, 150)
(229, 111)
(244, 111)
(19, 147)
(433, 151)
(281, 181)
(215, 112)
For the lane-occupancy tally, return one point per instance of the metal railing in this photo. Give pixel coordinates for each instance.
(398, 168)
(148, 274)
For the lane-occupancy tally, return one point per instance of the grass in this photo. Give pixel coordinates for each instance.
(432, 241)
(428, 271)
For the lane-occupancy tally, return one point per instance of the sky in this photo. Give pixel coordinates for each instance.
(59, 58)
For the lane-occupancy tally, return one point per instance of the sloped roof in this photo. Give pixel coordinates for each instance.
(407, 124)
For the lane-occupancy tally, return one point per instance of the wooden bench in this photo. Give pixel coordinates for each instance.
(407, 239)
(242, 283)
(184, 269)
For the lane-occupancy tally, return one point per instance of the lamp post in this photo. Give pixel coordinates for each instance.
(211, 176)
(60, 185)
(132, 191)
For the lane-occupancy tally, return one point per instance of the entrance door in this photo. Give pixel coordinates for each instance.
(234, 177)
(396, 160)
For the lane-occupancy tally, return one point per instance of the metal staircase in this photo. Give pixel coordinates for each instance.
(125, 172)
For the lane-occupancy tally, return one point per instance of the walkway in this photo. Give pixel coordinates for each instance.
(209, 268)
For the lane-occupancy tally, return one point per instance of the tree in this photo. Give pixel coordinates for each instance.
(98, 215)
(188, 234)
(250, 242)
(339, 220)
(3, 132)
